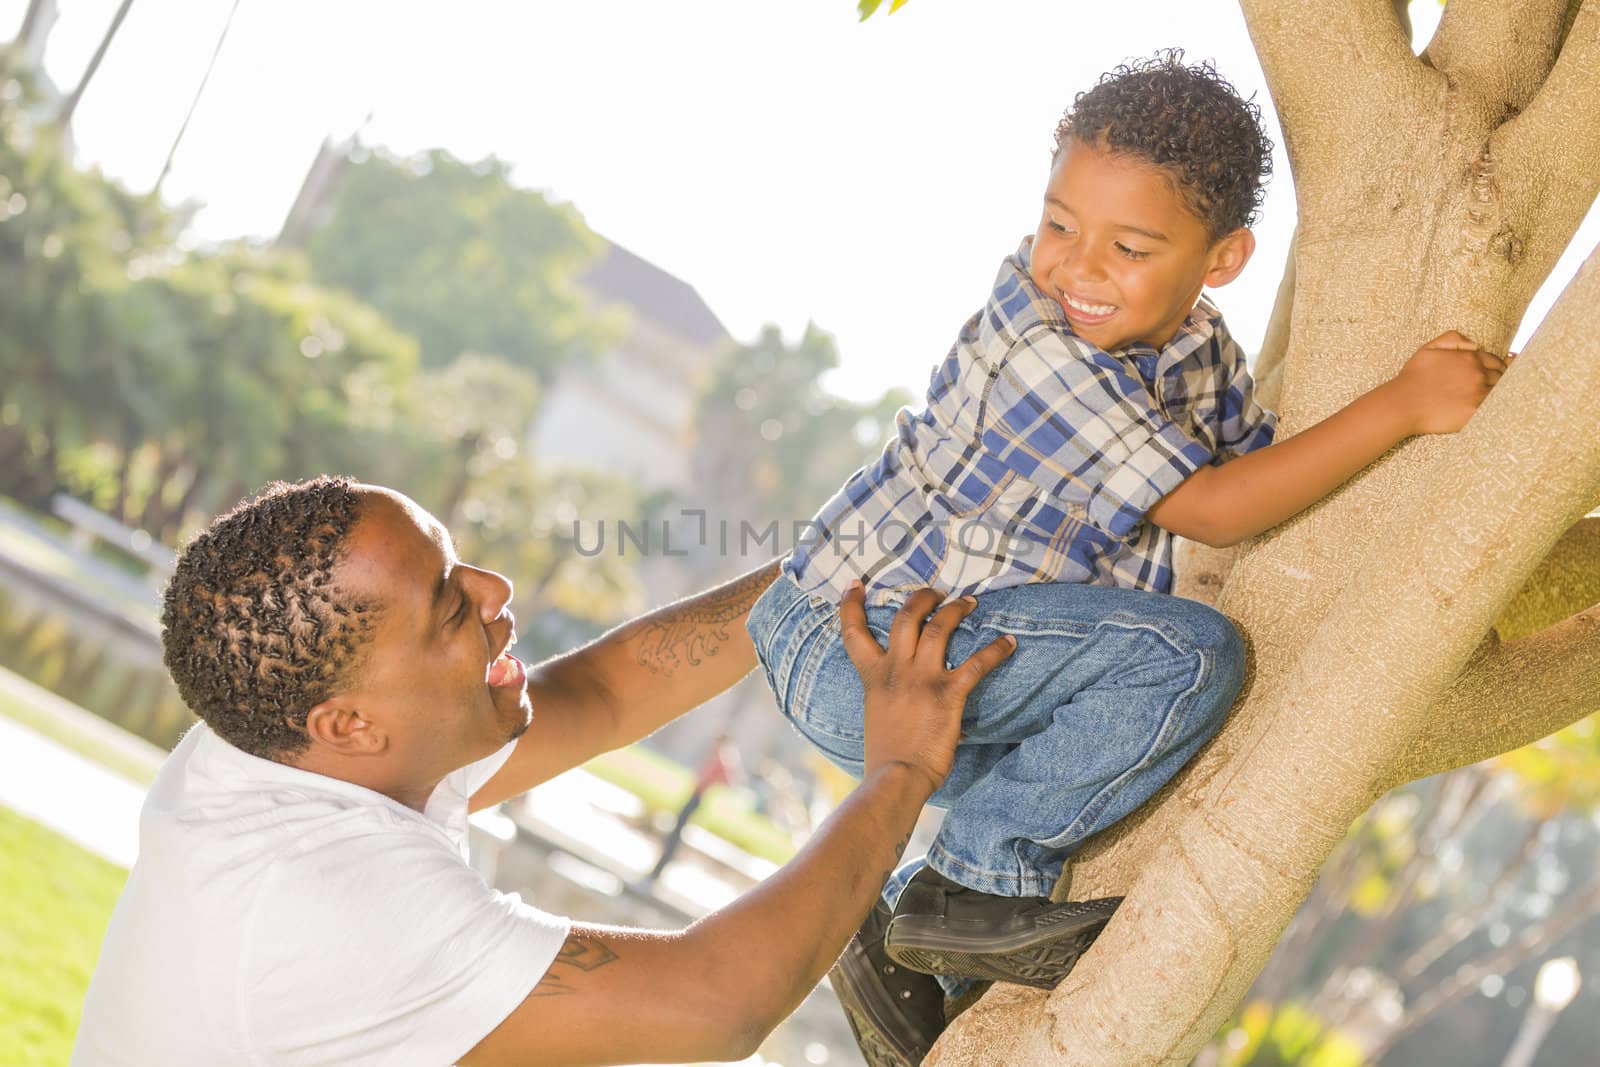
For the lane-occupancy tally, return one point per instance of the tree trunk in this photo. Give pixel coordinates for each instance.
(1434, 194)
(70, 105)
(170, 461)
(170, 530)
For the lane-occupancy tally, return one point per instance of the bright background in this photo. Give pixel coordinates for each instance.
(791, 163)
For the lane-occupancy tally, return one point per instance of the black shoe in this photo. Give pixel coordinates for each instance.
(940, 927)
(895, 1013)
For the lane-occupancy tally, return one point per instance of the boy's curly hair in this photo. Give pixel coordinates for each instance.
(253, 627)
(1187, 119)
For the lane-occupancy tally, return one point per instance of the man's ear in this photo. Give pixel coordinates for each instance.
(338, 724)
(1228, 257)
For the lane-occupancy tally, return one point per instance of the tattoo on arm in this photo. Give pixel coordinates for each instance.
(694, 632)
(582, 952)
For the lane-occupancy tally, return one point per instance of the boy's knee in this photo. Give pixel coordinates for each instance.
(1214, 636)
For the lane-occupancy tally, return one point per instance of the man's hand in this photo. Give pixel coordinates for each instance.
(913, 701)
(1444, 381)
(715, 990)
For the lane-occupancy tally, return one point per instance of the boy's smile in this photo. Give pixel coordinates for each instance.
(1120, 250)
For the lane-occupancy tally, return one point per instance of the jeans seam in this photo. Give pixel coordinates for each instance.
(777, 624)
(1175, 715)
(805, 678)
(1024, 878)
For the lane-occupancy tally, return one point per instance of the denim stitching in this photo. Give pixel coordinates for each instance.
(807, 676)
(1100, 801)
(1039, 885)
(1103, 799)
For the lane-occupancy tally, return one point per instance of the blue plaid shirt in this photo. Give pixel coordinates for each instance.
(1036, 457)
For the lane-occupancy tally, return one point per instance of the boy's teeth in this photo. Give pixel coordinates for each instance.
(1091, 309)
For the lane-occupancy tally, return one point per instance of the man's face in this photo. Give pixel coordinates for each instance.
(1118, 248)
(438, 678)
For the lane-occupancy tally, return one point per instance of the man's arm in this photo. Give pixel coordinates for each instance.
(626, 683)
(715, 990)
(1436, 392)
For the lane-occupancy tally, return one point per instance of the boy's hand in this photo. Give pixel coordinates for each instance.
(913, 702)
(1444, 381)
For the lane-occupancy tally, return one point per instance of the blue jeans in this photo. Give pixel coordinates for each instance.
(1109, 692)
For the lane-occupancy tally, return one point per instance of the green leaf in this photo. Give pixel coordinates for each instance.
(867, 7)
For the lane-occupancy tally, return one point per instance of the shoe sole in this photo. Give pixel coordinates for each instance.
(878, 1050)
(1040, 955)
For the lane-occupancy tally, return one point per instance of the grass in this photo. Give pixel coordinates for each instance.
(663, 786)
(55, 902)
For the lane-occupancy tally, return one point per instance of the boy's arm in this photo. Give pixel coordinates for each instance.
(628, 682)
(1437, 391)
(714, 991)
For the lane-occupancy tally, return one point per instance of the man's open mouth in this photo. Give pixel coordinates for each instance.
(507, 670)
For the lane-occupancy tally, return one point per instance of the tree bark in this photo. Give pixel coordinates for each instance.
(1434, 194)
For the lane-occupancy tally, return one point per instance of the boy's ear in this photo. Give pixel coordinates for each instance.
(338, 724)
(1228, 257)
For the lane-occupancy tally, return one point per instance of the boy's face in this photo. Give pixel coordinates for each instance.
(1121, 252)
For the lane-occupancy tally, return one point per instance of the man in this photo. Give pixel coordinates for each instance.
(720, 767)
(301, 895)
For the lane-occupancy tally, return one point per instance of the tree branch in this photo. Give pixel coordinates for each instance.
(1352, 52)
(1459, 925)
(1566, 581)
(1517, 693)
(1520, 685)
(1484, 522)
(1577, 908)
(1485, 47)
(1551, 149)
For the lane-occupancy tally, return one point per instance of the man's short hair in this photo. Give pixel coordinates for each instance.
(254, 629)
(1188, 120)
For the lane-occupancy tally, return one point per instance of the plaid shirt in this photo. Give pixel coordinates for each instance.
(1036, 457)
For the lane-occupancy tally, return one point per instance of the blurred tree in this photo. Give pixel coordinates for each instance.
(282, 379)
(478, 411)
(148, 380)
(462, 259)
(66, 237)
(771, 444)
(518, 519)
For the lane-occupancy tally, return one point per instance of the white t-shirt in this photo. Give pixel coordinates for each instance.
(276, 916)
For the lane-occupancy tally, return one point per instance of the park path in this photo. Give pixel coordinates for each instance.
(73, 796)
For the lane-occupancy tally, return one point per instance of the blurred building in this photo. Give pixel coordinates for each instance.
(630, 411)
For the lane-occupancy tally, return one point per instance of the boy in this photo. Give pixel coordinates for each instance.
(1094, 408)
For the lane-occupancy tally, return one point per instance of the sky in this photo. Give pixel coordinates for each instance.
(793, 164)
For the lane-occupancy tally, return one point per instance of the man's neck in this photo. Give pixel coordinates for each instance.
(367, 772)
